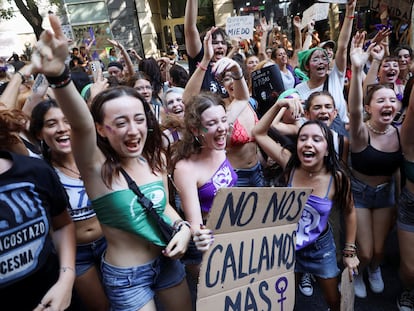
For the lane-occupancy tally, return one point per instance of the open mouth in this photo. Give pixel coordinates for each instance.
(133, 144)
(308, 155)
(63, 140)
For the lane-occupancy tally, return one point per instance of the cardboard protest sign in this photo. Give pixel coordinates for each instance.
(240, 27)
(347, 292)
(317, 12)
(250, 265)
(267, 84)
(396, 8)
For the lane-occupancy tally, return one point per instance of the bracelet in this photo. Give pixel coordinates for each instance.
(64, 269)
(351, 16)
(348, 255)
(201, 67)
(21, 76)
(237, 78)
(60, 81)
(350, 245)
(178, 224)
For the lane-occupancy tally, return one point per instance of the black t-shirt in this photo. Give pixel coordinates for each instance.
(30, 194)
(210, 82)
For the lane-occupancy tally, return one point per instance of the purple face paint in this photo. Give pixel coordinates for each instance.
(109, 128)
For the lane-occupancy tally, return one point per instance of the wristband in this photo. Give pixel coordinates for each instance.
(60, 81)
(351, 16)
(21, 76)
(201, 67)
(237, 78)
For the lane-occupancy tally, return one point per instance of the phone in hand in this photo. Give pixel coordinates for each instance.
(96, 69)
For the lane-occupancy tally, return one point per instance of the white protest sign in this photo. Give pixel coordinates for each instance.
(240, 27)
(250, 266)
(317, 12)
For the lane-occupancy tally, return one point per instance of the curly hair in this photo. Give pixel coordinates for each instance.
(12, 121)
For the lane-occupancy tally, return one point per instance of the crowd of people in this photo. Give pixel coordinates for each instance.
(71, 135)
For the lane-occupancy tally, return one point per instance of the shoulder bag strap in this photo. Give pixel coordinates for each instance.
(142, 199)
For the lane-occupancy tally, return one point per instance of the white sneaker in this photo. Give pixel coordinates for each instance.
(305, 284)
(405, 302)
(375, 280)
(359, 286)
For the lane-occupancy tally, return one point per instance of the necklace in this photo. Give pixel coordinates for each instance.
(374, 130)
(77, 173)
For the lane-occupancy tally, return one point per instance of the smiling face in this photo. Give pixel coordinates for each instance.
(251, 63)
(124, 125)
(281, 57)
(383, 105)
(312, 147)
(214, 128)
(56, 131)
(174, 104)
(322, 108)
(389, 71)
(404, 59)
(318, 64)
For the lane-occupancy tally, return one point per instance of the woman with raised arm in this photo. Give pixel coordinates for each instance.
(50, 126)
(118, 137)
(405, 216)
(314, 164)
(376, 156)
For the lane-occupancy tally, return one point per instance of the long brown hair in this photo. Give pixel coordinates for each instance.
(153, 149)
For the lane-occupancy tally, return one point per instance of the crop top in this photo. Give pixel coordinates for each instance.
(80, 207)
(239, 134)
(121, 210)
(409, 170)
(373, 162)
(314, 218)
(225, 176)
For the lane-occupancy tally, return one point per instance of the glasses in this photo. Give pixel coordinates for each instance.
(143, 88)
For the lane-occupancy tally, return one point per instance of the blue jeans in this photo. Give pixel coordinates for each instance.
(405, 216)
(250, 177)
(131, 288)
(89, 255)
(319, 258)
(366, 196)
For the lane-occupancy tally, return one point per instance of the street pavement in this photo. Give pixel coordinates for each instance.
(385, 301)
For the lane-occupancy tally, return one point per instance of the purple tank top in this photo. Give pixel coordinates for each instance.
(314, 218)
(225, 176)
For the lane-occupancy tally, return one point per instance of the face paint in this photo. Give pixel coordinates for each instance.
(204, 129)
(109, 128)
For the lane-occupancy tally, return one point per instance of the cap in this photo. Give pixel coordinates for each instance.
(116, 64)
(328, 43)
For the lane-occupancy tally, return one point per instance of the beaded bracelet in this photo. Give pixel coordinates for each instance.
(60, 81)
(178, 224)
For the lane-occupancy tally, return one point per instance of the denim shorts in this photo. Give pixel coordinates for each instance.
(250, 177)
(366, 196)
(405, 217)
(89, 255)
(131, 288)
(319, 258)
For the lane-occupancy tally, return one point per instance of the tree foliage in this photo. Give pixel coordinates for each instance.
(30, 11)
